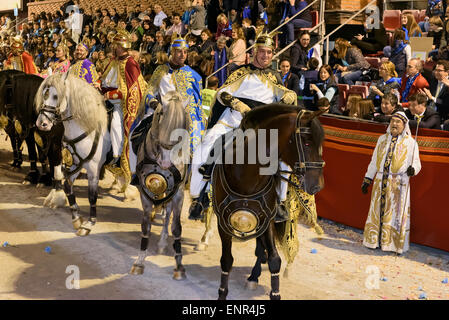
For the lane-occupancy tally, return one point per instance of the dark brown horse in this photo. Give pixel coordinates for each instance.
(245, 200)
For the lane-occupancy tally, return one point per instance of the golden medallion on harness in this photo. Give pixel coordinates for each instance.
(156, 183)
(38, 139)
(67, 158)
(18, 126)
(243, 221)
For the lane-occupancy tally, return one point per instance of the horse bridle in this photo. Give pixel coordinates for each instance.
(57, 115)
(302, 165)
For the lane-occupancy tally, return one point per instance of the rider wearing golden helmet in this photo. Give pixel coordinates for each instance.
(19, 59)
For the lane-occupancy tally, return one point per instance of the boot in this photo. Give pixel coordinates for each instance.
(281, 213)
(199, 205)
(206, 171)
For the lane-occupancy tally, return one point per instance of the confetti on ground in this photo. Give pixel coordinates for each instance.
(423, 295)
(48, 249)
(313, 251)
(445, 280)
(5, 244)
(384, 279)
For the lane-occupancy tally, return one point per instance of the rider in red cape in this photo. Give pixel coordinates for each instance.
(19, 59)
(122, 85)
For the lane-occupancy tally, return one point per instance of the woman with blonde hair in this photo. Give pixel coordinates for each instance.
(61, 65)
(354, 63)
(223, 27)
(389, 83)
(237, 54)
(352, 104)
(362, 109)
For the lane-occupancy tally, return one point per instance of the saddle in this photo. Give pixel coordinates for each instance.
(139, 134)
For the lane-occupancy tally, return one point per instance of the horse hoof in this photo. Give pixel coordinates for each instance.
(77, 223)
(137, 269)
(275, 296)
(82, 232)
(179, 275)
(40, 185)
(26, 183)
(201, 246)
(251, 285)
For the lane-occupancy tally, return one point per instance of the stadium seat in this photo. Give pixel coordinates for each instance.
(375, 55)
(342, 95)
(392, 19)
(373, 61)
(358, 89)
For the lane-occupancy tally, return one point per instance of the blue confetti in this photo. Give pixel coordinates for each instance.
(445, 280)
(313, 251)
(5, 244)
(420, 289)
(48, 249)
(423, 295)
(384, 279)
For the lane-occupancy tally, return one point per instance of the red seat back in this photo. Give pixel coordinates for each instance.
(342, 95)
(362, 90)
(392, 19)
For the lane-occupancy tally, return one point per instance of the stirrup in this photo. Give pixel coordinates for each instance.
(282, 214)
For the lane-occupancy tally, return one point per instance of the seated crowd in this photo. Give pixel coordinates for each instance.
(219, 32)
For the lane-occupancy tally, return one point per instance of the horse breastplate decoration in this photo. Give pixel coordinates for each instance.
(159, 185)
(244, 216)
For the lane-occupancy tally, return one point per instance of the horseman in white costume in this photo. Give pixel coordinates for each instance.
(249, 86)
(394, 161)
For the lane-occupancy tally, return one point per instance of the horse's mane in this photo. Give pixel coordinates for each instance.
(174, 118)
(260, 114)
(25, 87)
(86, 103)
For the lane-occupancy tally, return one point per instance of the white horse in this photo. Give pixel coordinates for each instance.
(162, 167)
(81, 109)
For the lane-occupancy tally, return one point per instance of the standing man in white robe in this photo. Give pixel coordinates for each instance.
(394, 161)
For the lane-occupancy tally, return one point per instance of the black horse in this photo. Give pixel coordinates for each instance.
(17, 92)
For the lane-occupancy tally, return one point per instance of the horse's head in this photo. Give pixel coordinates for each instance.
(303, 152)
(51, 105)
(168, 117)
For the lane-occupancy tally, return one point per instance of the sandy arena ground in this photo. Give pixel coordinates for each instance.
(338, 269)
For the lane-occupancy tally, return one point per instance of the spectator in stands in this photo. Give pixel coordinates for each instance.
(354, 63)
(159, 46)
(351, 101)
(438, 94)
(177, 27)
(374, 39)
(250, 32)
(148, 43)
(300, 52)
(410, 26)
(220, 53)
(206, 41)
(102, 62)
(223, 27)
(434, 9)
(303, 20)
(289, 79)
(197, 18)
(400, 53)
(436, 32)
(389, 105)
(363, 109)
(327, 87)
(323, 105)
(159, 15)
(412, 81)
(306, 96)
(430, 119)
(114, 15)
(395, 159)
(237, 54)
(51, 58)
(389, 81)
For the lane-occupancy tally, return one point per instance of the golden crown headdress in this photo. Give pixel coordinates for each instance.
(122, 38)
(179, 43)
(17, 42)
(265, 40)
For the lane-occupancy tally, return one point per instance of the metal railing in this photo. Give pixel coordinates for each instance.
(296, 40)
(373, 2)
(321, 16)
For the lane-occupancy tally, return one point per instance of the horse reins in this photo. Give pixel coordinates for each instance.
(301, 167)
